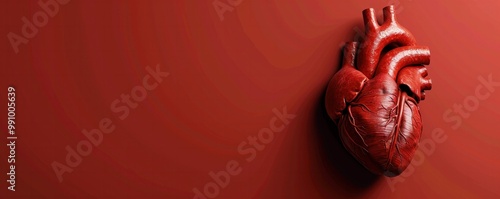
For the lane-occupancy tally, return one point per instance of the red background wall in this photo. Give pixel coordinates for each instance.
(226, 77)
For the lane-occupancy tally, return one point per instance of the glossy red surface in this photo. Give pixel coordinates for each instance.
(374, 101)
(226, 78)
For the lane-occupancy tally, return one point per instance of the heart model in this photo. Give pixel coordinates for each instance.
(374, 97)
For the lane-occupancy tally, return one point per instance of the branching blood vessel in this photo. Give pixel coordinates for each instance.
(374, 97)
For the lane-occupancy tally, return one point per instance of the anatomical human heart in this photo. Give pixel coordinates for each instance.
(374, 97)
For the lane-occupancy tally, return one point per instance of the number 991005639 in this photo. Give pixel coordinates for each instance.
(11, 108)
